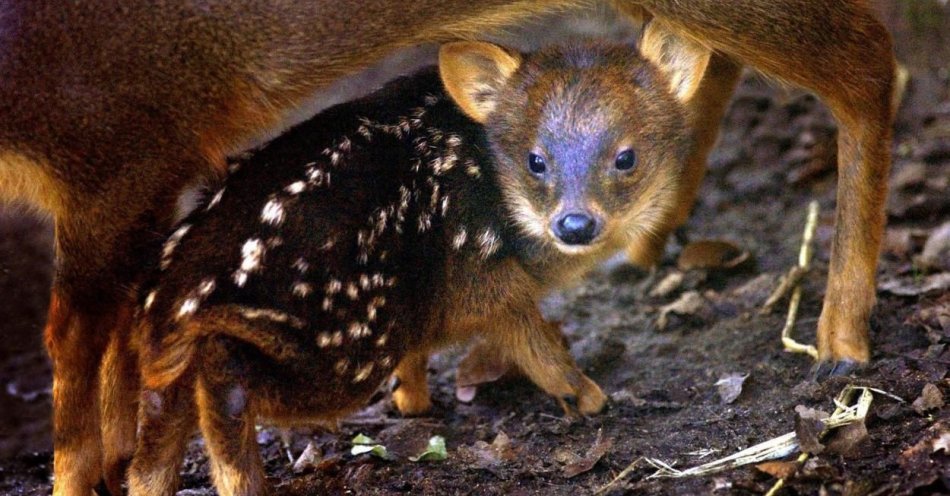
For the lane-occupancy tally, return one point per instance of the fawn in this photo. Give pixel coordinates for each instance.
(380, 230)
(109, 108)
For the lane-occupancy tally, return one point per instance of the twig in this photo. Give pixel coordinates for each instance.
(792, 282)
(625, 472)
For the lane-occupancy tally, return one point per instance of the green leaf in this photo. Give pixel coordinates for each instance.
(365, 444)
(434, 452)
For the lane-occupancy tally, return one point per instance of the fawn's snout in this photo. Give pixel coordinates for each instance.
(576, 227)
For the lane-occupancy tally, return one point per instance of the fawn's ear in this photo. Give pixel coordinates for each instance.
(473, 72)
(684, 61)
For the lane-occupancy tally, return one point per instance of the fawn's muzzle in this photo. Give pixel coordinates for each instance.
(576, 228)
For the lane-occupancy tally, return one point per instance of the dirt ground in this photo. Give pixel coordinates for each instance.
(775, 155)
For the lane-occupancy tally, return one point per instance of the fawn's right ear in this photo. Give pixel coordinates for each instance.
(473, 72)
(684, 61)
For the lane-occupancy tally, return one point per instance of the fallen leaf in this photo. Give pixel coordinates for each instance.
(365, 444)
(487, 456)
(911, 286)
(594, 454)
(670, 283)
(434, 452)
(308, 459)
(930, 399)
(809, 424)
(730, 387)
(779, 470)
(711, 254)
(848, 440)
(936, 253)
(688, 303)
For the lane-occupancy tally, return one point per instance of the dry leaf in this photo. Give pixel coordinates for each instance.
(688, 303)
(808, 428)
(930, 399)
(597, 451)
(711, 254)
(730, 387)
(779, 470)
(936, 253)
(911, 286)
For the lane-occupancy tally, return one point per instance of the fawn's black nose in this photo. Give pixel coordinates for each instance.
(576, 228)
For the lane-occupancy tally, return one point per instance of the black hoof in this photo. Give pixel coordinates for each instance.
(828, 368)
(570, 400)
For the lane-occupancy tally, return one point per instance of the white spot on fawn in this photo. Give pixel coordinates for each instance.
(359, 330)
(172, 243)
(150, 300)
(363, 372)
(273, 212)
(488, 242)
(206, 287)
(251, 253)
(301, 265)
(215, 200)
(271, 315)
(458, 241)
(302, 289)
(187, 308)
(341, 366)
(296, 188)
(334, 286)
(324, 339)
(386, 361)
(381, 340)
(352, 291)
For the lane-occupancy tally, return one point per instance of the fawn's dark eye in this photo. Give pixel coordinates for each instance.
(536, 164)
(626, 160)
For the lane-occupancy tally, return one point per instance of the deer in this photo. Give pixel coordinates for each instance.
(109, 109)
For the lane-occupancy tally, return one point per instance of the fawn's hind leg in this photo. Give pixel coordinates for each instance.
(706, 109)
(227, 424)
(841, 51)
(167, 420)
(119, 393)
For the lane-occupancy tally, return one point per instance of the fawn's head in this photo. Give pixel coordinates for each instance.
(588, 139)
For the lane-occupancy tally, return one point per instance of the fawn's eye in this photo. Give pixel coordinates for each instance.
(625, 160)
(536, 164)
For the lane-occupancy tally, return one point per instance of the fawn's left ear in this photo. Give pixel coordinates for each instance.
(473, 72)
(682, 60)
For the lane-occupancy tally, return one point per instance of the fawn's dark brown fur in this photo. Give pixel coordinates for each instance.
(384, 229)
(109, 108)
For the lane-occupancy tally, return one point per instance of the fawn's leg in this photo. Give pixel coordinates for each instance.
(706, 109)
(839, 50)
(227, 424)
(167, 420)
(119, 393)
(411, 390)
(539, 350)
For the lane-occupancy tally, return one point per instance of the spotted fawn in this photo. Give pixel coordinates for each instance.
(438, 209)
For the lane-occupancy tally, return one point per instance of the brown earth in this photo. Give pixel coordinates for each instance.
(774, 157)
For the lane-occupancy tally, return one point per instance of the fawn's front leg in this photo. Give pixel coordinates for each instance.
(410, 386)
(539, 350)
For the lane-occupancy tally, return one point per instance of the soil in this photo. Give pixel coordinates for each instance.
(775, 155)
